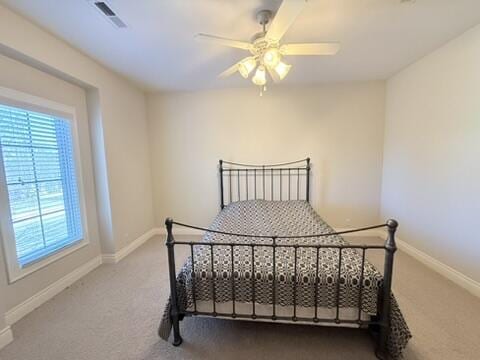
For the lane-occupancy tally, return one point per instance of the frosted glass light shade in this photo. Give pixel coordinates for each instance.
(271, 58)
(282, 69)
(260, 76)
(246, 66)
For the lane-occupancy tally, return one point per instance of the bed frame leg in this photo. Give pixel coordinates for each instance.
(381, 351)
(177, 339)
(384, 307)
(174, 308)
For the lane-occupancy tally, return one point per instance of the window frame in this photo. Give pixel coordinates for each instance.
(10, 97)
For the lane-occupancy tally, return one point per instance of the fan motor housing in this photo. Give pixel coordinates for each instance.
(259, 41)
(264, 17)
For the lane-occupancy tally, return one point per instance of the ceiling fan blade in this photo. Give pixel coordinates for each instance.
(224, 41)
(328, 48)
(286, 15)
(230, 71)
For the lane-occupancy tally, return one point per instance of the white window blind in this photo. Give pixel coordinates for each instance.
(37, 152)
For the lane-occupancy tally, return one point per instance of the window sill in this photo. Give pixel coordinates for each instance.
(18, 272)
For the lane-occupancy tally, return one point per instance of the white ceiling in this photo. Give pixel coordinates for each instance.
(158, 50)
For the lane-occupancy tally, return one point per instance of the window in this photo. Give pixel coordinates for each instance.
(39, 171)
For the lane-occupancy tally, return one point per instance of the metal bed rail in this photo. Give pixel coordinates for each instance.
(380, 321)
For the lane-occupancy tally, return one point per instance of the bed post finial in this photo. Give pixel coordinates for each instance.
(220, 169)
(169, 224)
(392, 228)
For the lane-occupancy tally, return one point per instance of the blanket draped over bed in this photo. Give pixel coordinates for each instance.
(260, 217)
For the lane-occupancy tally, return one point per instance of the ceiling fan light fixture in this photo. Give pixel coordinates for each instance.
(267, 49)
(246, 67)
(282, 69)
(272, 57)
(260, 77)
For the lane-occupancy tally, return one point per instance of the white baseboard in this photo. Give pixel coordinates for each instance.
(450, 273)
(109, 259)
(22, 309)
(120, 254)
(6, 337)
(19, 311)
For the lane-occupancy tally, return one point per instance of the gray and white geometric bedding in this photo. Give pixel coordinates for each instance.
(261, 217)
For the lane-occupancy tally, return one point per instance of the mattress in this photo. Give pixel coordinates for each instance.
(252, 278)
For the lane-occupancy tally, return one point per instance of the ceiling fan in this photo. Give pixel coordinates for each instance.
(267, 51)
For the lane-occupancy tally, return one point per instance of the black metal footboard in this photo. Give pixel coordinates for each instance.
(380, 321)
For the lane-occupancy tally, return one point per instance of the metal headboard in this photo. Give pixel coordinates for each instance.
(285, 181)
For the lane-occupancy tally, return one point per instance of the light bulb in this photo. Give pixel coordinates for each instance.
(260, 78)
(282, 69)
(272, 57)
(246, 66)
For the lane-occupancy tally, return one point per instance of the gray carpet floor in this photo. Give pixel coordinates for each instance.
(113, 313)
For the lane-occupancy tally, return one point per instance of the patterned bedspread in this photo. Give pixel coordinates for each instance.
(260, 217)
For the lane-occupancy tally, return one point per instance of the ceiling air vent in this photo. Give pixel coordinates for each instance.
(106, 10)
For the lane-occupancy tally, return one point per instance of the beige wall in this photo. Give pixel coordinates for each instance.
(105, 226)
(112, 114)
(431, 170)
(430, 177)
(339, 126)
(17, 76)
(126, 174)
(128, 163)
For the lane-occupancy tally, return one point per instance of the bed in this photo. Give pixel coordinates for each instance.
(268, 256)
